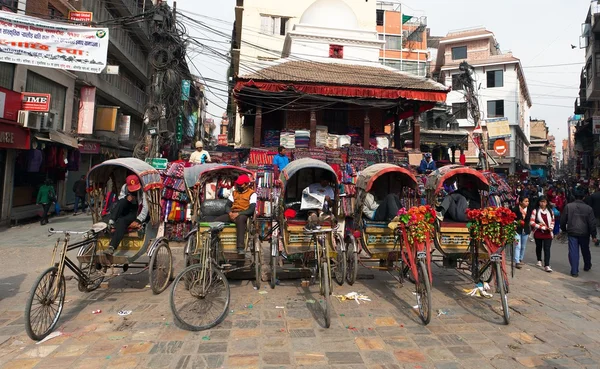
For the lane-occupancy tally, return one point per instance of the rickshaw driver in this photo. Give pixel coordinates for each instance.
(125, 213)
(324, 189)
(243, 204)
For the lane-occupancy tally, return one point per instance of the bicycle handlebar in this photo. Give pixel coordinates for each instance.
(53, 231)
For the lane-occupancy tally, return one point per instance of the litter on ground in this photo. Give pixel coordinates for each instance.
(353, 296)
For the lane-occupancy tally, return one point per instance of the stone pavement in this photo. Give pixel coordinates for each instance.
(555, 324)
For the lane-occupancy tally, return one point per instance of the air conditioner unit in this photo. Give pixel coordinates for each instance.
(51, 121)
(30, 119)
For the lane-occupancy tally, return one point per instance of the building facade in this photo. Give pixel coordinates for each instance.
(501, 90)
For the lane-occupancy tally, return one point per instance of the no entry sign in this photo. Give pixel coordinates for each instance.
(500, 147)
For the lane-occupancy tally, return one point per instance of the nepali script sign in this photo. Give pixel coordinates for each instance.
(34, 41)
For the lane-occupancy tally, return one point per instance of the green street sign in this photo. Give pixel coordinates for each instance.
(158, 163)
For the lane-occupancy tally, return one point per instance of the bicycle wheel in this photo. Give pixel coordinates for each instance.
(423, 289)
(257, 262)
(44, 306)
(160, 268)
(503, 294)
(325, 287)
(352, 264)
(340, 260)
(200, 303)
(273, 260)
(189, 250)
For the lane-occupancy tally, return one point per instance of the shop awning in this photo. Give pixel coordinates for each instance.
(57, 137)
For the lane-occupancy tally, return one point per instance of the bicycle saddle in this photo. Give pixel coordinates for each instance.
(99, 227)
(216, 226)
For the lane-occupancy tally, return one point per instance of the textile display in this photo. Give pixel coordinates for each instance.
(175, 202)
(302, 138)
(321, 136)
(272, 138)
(287, 139)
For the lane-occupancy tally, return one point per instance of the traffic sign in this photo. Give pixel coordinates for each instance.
(500, 147)
(158, 163)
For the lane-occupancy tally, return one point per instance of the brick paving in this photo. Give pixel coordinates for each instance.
(555, 322)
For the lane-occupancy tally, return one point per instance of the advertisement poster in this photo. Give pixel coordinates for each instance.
(124, 127)
(34, 41)
(87, 102)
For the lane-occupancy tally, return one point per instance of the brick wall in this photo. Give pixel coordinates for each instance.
(37, 7)
(59, 7)
(476, 50)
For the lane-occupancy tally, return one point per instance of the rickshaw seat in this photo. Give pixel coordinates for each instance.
(453, 224)
(376, 224)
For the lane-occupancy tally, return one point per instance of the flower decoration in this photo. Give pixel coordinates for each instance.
(418, 222)
(496, 226)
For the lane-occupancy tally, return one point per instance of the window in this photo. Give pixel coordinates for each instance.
(380, 15)
(597, 64)
(495, 78)
(53, 13)
(456, 83)
(393, 42)
(37, 83)
(459, 52)
(588, 72)
(495, 108)
(459, 110)
(336, 51)
(271, 25)
(9, 5)
(7, 75)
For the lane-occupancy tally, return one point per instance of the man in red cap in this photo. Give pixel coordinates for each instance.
(243, 205)
(125, 213)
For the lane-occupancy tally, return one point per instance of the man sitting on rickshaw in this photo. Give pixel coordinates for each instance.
(324, 190)
(125, 214)
(380, 211)
(243, 204)
(455, 205)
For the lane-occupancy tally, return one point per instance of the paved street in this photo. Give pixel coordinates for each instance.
(555, 321)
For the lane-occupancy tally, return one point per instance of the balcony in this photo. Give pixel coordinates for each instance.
(595, 16)
(117, 89)
(124, 47)
(127, 8)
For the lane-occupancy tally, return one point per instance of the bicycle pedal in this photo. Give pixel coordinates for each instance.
(226, 265)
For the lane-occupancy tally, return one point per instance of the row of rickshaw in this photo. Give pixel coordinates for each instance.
(335, 249)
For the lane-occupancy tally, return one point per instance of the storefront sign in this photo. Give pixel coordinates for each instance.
(596, 125)
(85, 123)
(10, 104)
(124, 127)
(106, 118)
(35, 102)
(89, 147)
(158, 163)
(14, 137)
(500, 147)
(185, 90)
(34, 41)
(498, 128)
(80, 17)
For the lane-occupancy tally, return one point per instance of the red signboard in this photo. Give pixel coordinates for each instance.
(80, 17)
(500, 147)
(89, 147)
(14, 137)
(35, 102)
(10, 104)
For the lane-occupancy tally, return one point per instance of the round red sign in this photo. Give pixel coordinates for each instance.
(500, 147)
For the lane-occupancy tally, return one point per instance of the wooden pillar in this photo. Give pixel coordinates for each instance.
(416, 129)
(366, 131)
(397, 143)
(313, 129)
(257, 127)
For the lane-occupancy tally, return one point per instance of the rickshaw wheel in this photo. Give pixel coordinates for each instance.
(274, 253)
(326, 292)
(41, 319)
(423, 289)
(352, 263)
(200, 303)
(340, 260)
(189, 250)
(257, 262)
(160, 268)
(503, 295)
(93, 274)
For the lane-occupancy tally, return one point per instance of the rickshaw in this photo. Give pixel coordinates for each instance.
(452, 239)
(369, 241)
(319, 251)
(200, 295)
(46, 299)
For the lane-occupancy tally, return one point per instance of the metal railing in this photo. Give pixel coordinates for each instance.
(126, 86)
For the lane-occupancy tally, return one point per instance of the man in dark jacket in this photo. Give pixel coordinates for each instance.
(79, 188)
(579, 222)
(595, 204)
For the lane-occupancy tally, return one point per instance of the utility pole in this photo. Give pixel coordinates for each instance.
(468, 83)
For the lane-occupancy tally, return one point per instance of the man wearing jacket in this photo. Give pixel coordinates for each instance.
(595, 204)
(79, 188)
(579, 222)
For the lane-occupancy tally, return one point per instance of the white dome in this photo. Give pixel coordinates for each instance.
(330, 14)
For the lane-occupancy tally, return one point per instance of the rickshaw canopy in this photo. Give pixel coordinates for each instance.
(149, 177)
(305, 163)
(370, 174)
(436, 180)
(192, 175)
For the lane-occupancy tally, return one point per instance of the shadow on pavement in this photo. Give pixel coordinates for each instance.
(10, 286)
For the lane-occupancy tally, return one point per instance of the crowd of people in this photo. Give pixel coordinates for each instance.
(545, 212)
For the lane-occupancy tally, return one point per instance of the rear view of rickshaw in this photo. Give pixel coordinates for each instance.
(200, 294)
(141, 249)
(465, 240)
(382, 191)
(297, 246)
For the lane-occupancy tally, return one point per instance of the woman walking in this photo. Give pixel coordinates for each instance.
(542, 225)
(523, 229)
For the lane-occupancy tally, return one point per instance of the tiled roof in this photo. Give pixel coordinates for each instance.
(342, 74)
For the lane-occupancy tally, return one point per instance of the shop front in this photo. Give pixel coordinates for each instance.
(13, 140)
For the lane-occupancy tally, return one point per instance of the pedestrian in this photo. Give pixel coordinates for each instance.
(579, 222)
(200, 156)
(281, 160)
(45, 197)
(595, 204)
(79, 188)
(542, 225)
(523, 229)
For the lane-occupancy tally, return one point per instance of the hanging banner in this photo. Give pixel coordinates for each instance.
(498, 128)
(106, 118)
(185, 90)
(124, 127)
(87, 101)
(34, 41)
